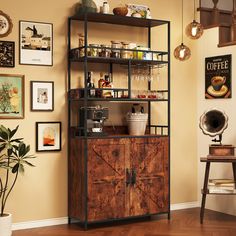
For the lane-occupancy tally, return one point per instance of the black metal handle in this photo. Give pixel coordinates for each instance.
(128, 177)
(133, 177)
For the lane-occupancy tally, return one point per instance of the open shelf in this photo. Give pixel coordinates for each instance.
(219, 193)
(119, 61)
(118, 20)
(78, 95)
(152, 131)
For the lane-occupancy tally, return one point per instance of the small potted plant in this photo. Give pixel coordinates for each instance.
(13, 158)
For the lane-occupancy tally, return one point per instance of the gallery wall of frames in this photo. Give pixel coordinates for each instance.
(35, 48)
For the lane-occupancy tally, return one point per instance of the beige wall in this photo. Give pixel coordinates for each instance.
(42, 192)
(207, 47)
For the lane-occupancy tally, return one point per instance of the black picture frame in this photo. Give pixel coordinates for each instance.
(48, 136)
(218, 77)
(35, 43)
(42, 95)
(7, 54)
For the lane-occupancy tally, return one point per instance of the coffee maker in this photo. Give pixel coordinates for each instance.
(96, 116)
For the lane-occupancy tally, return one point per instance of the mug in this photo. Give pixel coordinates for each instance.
(217, 82)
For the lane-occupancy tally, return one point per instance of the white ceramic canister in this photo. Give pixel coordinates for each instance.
(105, 8)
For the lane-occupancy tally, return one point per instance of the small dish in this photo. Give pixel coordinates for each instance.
(219, 93)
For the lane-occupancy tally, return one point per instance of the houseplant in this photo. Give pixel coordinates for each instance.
(13, 158)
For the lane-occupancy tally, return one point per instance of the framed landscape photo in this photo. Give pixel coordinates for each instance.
(48, 136)
(42, 96)
(7, 54)
(36, 43)
(11, 96)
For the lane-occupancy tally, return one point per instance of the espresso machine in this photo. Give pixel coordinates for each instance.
(96, 116)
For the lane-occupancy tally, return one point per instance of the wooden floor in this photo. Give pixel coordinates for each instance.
(182, 223)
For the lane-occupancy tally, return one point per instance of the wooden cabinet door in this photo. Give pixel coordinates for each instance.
(149, 192)
(107, 178)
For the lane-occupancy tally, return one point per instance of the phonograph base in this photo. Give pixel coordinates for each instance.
(221, 150)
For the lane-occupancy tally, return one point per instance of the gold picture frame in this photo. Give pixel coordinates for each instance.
(12, 91)
(5, 24)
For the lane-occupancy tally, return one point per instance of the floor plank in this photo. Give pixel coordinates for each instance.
(182, 223)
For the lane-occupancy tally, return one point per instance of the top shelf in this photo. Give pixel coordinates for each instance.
(118, 20)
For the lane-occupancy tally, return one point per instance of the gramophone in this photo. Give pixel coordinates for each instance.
(213, 122)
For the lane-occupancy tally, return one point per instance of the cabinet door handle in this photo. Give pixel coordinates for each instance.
(128, 177)
(133, 178)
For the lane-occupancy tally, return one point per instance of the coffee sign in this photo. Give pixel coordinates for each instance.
(218, 77)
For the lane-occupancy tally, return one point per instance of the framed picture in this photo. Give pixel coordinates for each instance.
(36, 43)
(218, 77)
(5, 24)
(48, 136)
(7, 54)
(42, 96)
(11, 96)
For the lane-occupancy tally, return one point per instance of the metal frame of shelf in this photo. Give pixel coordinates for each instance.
(165, 60)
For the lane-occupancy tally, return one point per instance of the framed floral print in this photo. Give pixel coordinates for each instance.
(7, 54)
(42, 96)
(11, 96)
(48, 136)
(36, 45)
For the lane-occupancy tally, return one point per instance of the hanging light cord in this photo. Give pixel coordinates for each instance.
(182, 20)
(194, 7)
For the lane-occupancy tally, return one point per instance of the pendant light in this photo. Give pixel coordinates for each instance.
(182, 52)
(194, 30)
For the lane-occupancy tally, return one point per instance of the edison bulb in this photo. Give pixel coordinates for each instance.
(194, 30)
(182, 52)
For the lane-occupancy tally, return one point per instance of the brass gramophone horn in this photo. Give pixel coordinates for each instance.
(213, 122)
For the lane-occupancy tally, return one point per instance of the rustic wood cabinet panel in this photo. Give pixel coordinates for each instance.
(126, 177)
(107, 178)
(149, 193)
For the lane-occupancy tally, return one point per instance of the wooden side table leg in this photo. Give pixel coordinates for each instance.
(204, 193)
(234, 171)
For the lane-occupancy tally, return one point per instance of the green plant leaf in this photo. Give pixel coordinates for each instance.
(4, 135)
(2, 140)
(15, 168)
(2, 148)
(12, 133)
(29, 164)
(22, 149)
(29, 157)
(21, 168)
(17, 140)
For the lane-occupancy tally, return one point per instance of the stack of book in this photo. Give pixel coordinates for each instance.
(221, 186)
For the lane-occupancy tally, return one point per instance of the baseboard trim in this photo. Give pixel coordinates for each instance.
(40, 223)
(64, 220)
(185, 205)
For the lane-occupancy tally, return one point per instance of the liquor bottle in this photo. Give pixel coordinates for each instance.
(100, 83)
(107, 84)
(89, 83)
(101, 80)
(92, 90)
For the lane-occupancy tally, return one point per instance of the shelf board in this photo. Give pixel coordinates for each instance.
(219, 159)
(122, 136)
(227, 44)
(122, 99)
(118, 20)
(219, 193)
(119, 61)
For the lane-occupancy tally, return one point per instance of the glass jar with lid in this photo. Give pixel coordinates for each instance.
(105, 51)
(115, 53)
(125, 54)
(81, 44)
(93, 50)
